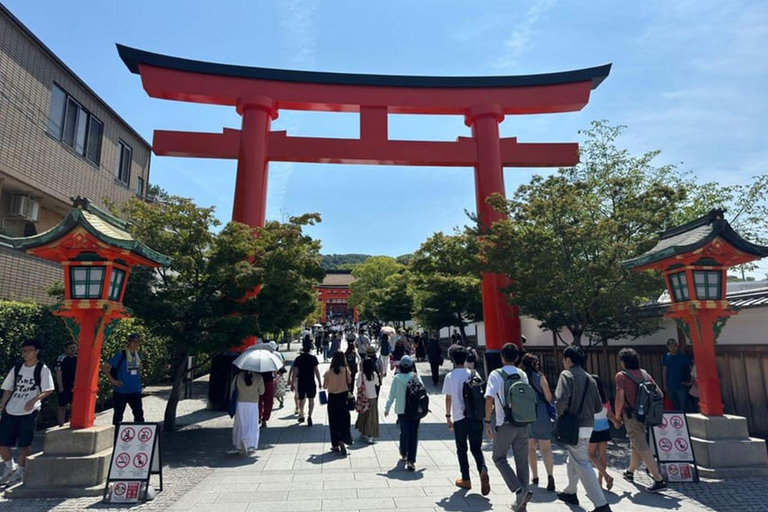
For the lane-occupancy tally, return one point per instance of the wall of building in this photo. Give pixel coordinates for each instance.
(24, 277)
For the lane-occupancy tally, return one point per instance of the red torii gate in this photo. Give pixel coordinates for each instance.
(259, 93)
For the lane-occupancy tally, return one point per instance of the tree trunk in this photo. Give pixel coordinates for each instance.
(605, 375)
(169, 422)
(576, 338)
(289, 342)
(463, 334)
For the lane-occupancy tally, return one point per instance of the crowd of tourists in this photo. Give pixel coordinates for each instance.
(515, 407)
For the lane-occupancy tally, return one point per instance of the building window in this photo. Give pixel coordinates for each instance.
(679, 286)
(707, 284)
(123, 164)
(86, 282)
(70, 123)
(140, 186)
(116, 283)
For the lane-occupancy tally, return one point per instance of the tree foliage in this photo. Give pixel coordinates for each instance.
(204, 302)
(446, 281)
(380, 290)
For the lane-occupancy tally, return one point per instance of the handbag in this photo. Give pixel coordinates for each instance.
(323, 397)
(567, 425)
(232, 407)
(362, 404)
(350, 401)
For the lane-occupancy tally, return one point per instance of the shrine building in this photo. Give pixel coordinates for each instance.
(334, 294)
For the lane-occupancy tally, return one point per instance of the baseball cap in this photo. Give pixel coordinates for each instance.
(406, 363)
(133, 336)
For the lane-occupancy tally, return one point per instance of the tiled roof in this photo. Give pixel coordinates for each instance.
(332, 279)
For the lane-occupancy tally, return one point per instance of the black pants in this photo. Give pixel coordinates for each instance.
(409, 437)
(120, 400)
(435, 367)
(338, 419)
(472, 430)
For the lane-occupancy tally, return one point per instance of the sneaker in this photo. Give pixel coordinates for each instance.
(551, 483)
(301, 419)
(523, 497)
(7, 474)
(604, 508)
(263, 424)
(570, 499)
(410, 466)
(464, 484)
(657, 486)
(628, 476)
(371, 440)
(334, 448)
(485, 483)
(16, 478)
(343, 448)
(309, 421)
(535, 481)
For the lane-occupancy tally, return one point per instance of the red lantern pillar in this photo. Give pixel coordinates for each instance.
(501, 320)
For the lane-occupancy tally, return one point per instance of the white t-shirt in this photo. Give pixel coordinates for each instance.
(370, 385)
(26, 390)
(495, 389)
(362, 343)
(453, 385)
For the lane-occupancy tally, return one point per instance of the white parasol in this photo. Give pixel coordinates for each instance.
(259, 361)
(388, 329)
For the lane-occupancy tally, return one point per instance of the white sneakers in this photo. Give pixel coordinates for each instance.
(12, 476)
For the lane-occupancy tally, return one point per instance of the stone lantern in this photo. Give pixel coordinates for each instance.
(694, 259)
(97, 253)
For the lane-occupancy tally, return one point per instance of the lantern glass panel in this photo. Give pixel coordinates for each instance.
(679, 285)
(708, 284)
(87, 282)
(116, 283)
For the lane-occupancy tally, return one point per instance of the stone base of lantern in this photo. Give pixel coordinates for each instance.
(723, 448)
(74, 463)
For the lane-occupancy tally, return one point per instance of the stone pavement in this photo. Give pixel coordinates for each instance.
(294, 470)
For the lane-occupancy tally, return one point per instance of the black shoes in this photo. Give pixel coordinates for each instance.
(535, 481)
(309, 421)
(570, 499)
(628, 476)
(657, 486)
(551, 483)
(604, 508)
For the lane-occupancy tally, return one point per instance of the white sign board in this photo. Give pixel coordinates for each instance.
(125, 492)
(134, 451)
(672, 443)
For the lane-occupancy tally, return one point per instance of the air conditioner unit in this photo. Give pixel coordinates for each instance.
(24, 207)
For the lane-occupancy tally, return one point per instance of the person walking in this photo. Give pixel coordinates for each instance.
(385, 350)
(362, 343)
(124, 372)
(335, 345)
(305, 370)
(245, 429)
(318, 342)
(626, 402)
(505, 435)
(337, 381)
(25, 387)
(420, 346)
(465, 428)
(368, 383)
(281, 386)
(326, 344)
(65, 369)
(351, 360)
(598, 442)
(267, 398)
(676, 372)
(409, 426)
(435, 358)
(541, 429)
(577, 394)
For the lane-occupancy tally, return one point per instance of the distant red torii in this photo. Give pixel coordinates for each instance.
(259, 93)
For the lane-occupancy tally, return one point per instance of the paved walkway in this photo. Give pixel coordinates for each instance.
(294, 471)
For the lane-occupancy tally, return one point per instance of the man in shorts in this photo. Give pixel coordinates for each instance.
(66, 365)
(24, 389)
(305, 369)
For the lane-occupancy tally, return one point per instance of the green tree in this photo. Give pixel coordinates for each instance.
(370, 279)
(203, 303)
(446, 281)
(393, 302)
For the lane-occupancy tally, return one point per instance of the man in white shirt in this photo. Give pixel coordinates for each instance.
(362, 343)
(464, 428)
(506, 435)
(24, 389)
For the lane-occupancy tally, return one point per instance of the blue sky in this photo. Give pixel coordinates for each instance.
(689, 78)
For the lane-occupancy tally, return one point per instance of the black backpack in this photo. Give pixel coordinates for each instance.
(38, 375)
(416, 400)
(473, 392)
(649, 402)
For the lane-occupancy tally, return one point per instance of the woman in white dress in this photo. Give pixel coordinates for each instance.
(245, 431)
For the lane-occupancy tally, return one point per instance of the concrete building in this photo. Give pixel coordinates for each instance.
(58, 139)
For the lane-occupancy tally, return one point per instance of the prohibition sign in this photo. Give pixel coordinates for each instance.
(681, 444)
(122, 460)
(665, 444)
(677, 422)
(145, 435)
(120, 488)
(128, 435)
(140, 460)
(673, 469)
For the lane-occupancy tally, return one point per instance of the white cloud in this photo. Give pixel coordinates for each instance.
(520, 40)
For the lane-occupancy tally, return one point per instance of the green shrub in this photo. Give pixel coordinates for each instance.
(20, 321)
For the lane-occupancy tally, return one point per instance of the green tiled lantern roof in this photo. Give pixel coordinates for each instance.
(692, 236)
(105, 227)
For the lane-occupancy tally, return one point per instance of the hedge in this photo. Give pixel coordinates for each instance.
(20, 321)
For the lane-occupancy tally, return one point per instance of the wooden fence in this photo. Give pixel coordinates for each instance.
(743, 373)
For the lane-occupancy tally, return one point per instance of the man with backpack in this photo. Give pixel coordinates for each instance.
(24, 389)
(509, 393)
(385, 350)
(639, 404)
(464, 411)
(411, 405)
(124, 372)
(577, 396)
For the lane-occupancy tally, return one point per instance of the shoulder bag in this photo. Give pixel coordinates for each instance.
(567, 425)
